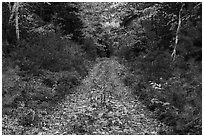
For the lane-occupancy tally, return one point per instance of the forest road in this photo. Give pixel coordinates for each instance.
(102, 105)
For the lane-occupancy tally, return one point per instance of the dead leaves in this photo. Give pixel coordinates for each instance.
(102, 106)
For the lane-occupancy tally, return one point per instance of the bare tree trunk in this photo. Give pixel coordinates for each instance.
(12, 11)
(15, 13)
(16, 22)
(173, 55)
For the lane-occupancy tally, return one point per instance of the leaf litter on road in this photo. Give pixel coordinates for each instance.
(101, 105)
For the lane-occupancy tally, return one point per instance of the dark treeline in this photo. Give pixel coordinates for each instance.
(48, 48)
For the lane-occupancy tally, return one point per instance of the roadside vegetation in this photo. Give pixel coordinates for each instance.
(48, 49)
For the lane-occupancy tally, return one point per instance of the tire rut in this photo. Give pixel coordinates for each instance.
(101, 105)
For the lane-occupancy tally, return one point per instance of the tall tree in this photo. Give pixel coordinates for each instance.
(15, 16)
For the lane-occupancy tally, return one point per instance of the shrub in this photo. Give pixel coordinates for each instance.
(48, 67)
(11, 86)
(62, 81)
(49, 52)
(90, 48)
(172, 90)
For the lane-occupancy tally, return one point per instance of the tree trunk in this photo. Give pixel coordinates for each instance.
(14, 14)
(173, 55)
(16, 22)
(12, 11)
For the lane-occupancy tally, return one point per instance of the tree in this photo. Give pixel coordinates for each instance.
(177, 33)
(63, 16)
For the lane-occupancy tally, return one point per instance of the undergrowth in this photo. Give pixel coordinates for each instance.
(39, 74)
(173, 90)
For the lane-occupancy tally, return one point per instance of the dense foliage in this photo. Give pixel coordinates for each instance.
(48, 48)
(161, 78)
(47, 61)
